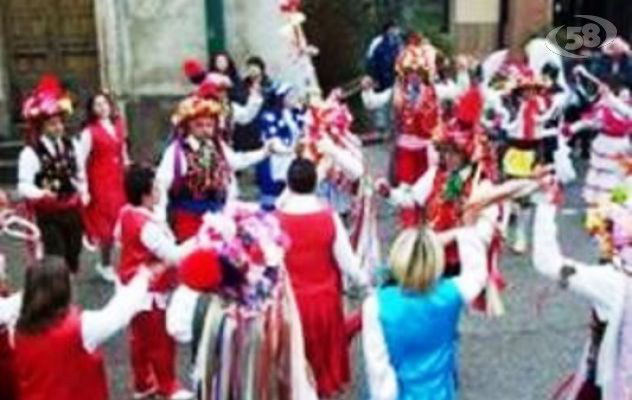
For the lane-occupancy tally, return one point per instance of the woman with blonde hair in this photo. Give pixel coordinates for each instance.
(410, 328)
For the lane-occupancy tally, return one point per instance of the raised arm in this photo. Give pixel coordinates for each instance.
(239, 160)
(381, 376)
(244, 114)
(99, 326)
(601, 285)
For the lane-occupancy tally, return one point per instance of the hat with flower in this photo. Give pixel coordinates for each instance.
(48, 99)
(418, 57)
(196, 106)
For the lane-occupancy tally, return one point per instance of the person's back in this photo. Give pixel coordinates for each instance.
(53, 363)
(420, 331)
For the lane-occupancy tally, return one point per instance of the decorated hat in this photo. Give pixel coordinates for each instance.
(416, 57)
(195, 106)
(48, 99)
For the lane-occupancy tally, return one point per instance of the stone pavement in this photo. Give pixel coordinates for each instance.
(522, 355)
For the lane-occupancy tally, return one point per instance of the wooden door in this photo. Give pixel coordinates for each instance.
(50, 36)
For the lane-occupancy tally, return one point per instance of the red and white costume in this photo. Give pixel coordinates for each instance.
(145, 242)
(104, 151)
(416, 109)
(64, 361)
(613, 118)
(316, 261)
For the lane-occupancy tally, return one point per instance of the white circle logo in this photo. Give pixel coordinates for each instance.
(588, 35)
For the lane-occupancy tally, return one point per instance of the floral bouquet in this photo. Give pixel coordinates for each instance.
(252, 243)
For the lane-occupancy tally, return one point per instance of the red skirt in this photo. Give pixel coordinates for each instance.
(100, 216)
(326, 338)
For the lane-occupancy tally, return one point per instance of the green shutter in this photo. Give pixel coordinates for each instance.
(215, 32)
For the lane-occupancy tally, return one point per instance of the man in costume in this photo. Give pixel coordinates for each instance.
(49, 177)
(196, 173)
(416, 110)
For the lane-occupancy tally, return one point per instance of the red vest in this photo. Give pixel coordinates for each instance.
(54, 364)
(134, 254)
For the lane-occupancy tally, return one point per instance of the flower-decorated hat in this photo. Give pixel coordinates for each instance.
(195, 106)
(48, 99)
(416, 57)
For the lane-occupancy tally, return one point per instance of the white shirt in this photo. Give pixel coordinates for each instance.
(165, 175)
(29, 166)
(244, 114)
(381, 374)
(96, 326)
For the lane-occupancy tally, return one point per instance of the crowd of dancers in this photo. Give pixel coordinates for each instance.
(258, 288)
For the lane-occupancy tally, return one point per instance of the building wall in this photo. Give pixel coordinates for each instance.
(143, 45)
(475, 25)
(527, 18)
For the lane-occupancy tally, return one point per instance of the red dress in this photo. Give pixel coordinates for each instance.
(317, 286)
(105, 171)
(54, 364)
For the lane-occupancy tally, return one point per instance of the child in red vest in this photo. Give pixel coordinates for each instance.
(56, 345)
(146, 241)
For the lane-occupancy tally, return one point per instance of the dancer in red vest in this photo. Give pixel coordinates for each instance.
(104, 154)
(56, 345)
(416, 110)
(316, 260)
(148, 241)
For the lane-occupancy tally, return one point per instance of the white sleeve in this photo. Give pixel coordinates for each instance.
(350, 164)
(99, 326)
(601, 285)
(10, 309)
(160, 243)
(28, 166)
(82, 175)
(380, 374)
(180, 314)
(243, 159)
(347, 259)
(84, 146)
(164, 180)
(373, 100)
(243, 115)
(473, 256)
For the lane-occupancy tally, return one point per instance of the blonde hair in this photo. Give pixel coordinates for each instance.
(417, 259)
